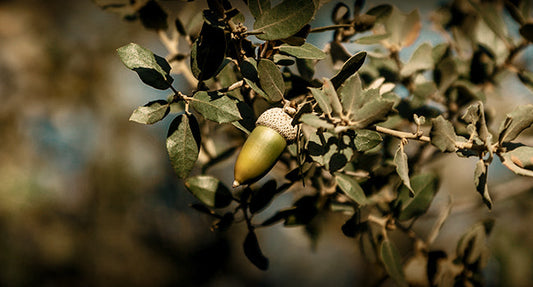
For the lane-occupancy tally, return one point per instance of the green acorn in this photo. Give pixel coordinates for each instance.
(264, 146)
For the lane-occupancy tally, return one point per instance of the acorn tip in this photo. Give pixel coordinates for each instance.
(236, 183)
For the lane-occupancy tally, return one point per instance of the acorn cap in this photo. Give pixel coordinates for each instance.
(278, 120)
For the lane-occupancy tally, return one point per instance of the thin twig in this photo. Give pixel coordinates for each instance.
(328, 28)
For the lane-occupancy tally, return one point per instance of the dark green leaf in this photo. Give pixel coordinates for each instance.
(150, 113)
(315, 121)
(183, 144)
(209, 190)
(305, 51)
(263, 196)
(350, 93)
(391, 260)
(306, 68)
(516, 122)
(216, 107)
(283, 60)
(253, 251)
(425, 187)
(480, 181)
(285, 19)
(153, 16)
(247, 124)
(258, 7)
(443, 134)
(348, 69)
(271, 80)
(402, 168)
(351, 188)
(446, 73)
(367, 140)
(420, 60)
(152, 69)
(527, 31)
(208, 52)
(250, 74)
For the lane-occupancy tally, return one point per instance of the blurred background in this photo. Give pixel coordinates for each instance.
(88, 198)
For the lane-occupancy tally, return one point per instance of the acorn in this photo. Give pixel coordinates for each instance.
(264, 146)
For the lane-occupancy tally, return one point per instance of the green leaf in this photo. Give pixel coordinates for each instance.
(332, 96)
(518, 159)
(349, 68)
(322, 100)
(150, 113)
(516, 122)
(391, 260)
(477, 126)
(372, 39)
(152, 69)
(258, 7)
(306, 68)
(285, 19)
(315, 121)
(183, 144)
(443, 134)
(247, 124)
(491, 16)
(351, 188)
(421, 59)
(527, 31)
(402, 168)
(425, 187)
(208, 52)
(366, 140)
(271, 80)
(305, 51)
(253, 251)
(209, 190)
(153, 16)
(216, 107)
(262, 197)
(480, 181)
(403, 28)
(372, 112)
(283, 60)
(250, 74)
(350, 93)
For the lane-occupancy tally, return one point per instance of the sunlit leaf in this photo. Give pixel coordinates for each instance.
(367, 139)
(425, 187)
(152, 69)
(216, 107)
(315, 121)
(322, 100)
(480, 181)
(402, 168)
(284, 19)
(351, 188)
(443, 134)
(209, 190)
(350, 93)
(420, 60)
(305, 51)
(517, 121)
(150, 113)
(258, 7)
(271, 80)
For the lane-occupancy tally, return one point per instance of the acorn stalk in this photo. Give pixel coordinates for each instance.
(264, 146)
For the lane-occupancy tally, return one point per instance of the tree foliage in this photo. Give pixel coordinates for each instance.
(356, 151)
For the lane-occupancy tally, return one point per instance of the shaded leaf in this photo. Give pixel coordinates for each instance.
(271, 80)
(209, 190)
(391, 260)
(443, 134)
(492, 18)
(152, 69)
(183, 144)
(516, 121)
(285, 19)
(153, 16)
(305, 51)
(208, 52)
(472, 244)
(421, 59)
(250, 74)
(367, 139)
(402, 168)
(306, 68)
(519, 159)
(333, 98)
(253, 251)
(151, 113)
(283, 60)
(215, 107)
(480, 181)
(372, 112)
(179, 27)
(351, 188)
(380, 11)
(322, 100)
(425, 187)
(247, 124)
(349, 68)
(263, 196)
(527, 31)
